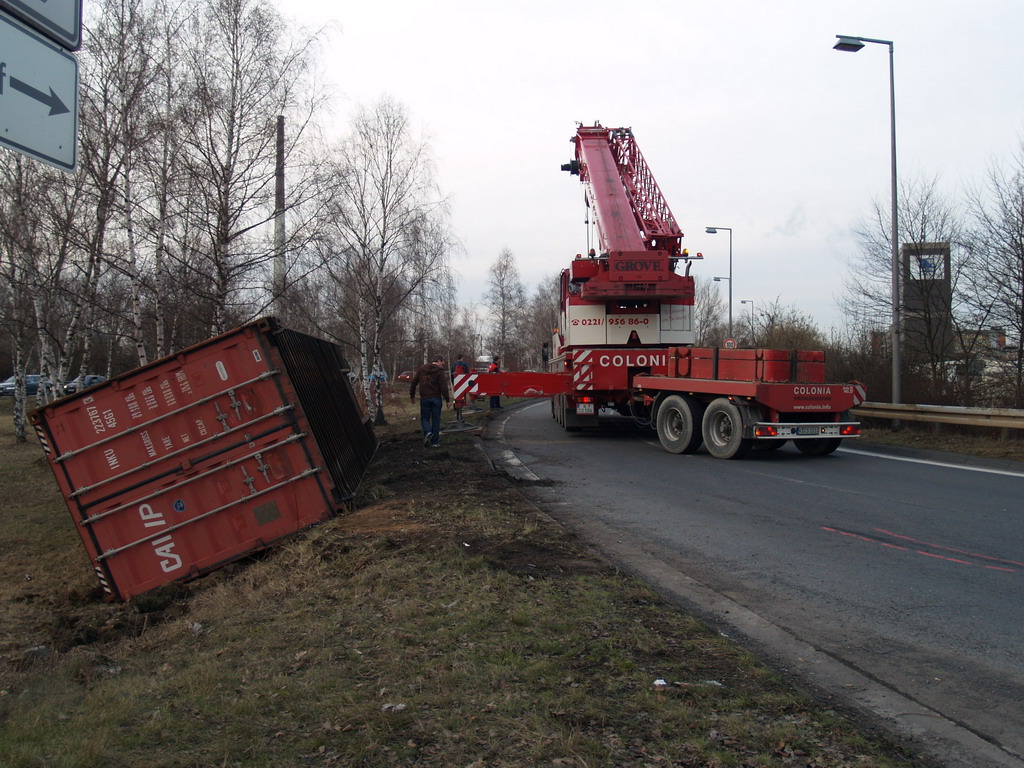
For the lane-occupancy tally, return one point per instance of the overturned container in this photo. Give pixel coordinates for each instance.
(176, 468)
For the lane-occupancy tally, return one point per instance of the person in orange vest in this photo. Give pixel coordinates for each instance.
(459, 366)
(495, 367)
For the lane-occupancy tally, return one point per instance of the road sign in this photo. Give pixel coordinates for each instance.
(38, 96)
(59, 20)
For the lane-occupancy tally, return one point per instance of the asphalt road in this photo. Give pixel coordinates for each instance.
(894, 583)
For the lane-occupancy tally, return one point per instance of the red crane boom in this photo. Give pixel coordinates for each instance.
(631, 212)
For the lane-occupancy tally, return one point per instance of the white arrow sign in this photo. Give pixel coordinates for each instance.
(38, 96)
(59, 20)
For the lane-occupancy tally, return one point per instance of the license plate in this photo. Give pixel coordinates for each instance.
(585, 409)
(808, 430)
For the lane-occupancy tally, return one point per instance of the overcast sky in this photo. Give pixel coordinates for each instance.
(746, 116)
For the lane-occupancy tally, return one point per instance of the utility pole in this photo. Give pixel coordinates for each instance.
(279, 233)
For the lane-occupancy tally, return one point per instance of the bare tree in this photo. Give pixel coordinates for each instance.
(388, 240)
(506, 300)
(709, 314)
(542, 313)
(244, 72)
(18, 220)
(785, 327)
(997, 251)
(941, 310)
(117, 100)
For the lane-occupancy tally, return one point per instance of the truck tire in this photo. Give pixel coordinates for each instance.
(565, 416)
(678, 424)
(723, 430)
(818, 446)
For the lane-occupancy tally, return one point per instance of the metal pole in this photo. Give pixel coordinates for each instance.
(852, 45)
(730, 283)
(896, 271)
(714, 231)
(279, 233)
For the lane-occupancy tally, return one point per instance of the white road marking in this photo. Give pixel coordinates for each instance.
(515, 467)
(929, 462)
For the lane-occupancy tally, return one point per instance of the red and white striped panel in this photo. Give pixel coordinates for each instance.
(583, 370)
(464, 383)
(860, 394)
(43, 441)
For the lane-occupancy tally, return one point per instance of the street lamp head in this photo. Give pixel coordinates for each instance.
(711, 230)
(720, 279)
(848, 44)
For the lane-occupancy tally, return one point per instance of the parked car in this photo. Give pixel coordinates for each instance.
(405, 376)
(32, 381)
(83, 382)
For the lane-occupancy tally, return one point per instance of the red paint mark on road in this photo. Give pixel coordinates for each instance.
(863, 538)
(943, 557)
(948, 549)
(870, 540)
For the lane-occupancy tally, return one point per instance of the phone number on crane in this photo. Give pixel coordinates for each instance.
(612, 321)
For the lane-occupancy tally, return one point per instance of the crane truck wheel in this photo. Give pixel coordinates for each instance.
(723, 430)
(818, 446)
(678, 424)
(565, 416)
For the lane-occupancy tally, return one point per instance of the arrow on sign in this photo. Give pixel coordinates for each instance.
(52, 101)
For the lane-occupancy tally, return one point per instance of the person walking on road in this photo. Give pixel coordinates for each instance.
(495, 367)
(432, 381)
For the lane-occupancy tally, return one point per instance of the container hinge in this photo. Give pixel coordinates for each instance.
(262, 467)
(236, 404)
(249, 480)
(222, 417)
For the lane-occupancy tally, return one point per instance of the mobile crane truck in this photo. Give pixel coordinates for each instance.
(626, 336)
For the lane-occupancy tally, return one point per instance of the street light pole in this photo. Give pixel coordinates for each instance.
(852, 45)
(714, 231)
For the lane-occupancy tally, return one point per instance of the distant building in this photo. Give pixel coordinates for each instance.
(927, 300)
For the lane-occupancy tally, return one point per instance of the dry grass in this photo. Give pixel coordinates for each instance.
(442, 623)
(971, 441)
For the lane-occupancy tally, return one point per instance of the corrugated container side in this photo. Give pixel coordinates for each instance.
(176, 468)
(318, 372)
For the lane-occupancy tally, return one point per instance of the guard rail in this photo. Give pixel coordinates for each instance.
(1005, 418)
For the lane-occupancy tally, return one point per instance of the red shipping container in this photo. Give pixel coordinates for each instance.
(767, 365)
(176, 468)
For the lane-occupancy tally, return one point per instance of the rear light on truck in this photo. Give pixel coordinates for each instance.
(765, 430)
(850, 430)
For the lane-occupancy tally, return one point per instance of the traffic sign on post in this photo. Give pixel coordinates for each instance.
(38, 96)
(59, 20)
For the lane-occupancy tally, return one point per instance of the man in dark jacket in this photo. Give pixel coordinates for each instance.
(432, 380)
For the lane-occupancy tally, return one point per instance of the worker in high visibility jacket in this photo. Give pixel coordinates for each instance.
(495, 367)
